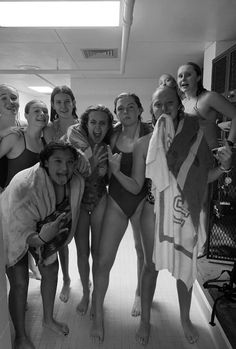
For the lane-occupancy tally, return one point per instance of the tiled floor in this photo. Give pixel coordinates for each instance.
(120, 327)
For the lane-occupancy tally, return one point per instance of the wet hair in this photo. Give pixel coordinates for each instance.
(198, 71)
(129, 94)
(30, 103)
(61, 89)
(180, 109)
(170, 77)
(7, 87)
(50, 149)
(99, 107)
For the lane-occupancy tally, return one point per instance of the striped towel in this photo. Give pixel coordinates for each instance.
(77, 136)
(177, 237)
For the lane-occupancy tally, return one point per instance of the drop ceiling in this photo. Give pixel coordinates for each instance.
(163, 35)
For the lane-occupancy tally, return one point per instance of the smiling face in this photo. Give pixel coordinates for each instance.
(63, 105)
(37, 114)
(165, 101)
(97, 126)
(187, 79)
(127, 111)
(61, 165)
(9, 104)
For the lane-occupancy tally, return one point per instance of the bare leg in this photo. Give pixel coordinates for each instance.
(96, 231)
(135, 222)
(185, 297)
(83, 250)
(33, 267)
(48, 290)
(64, 260)
(113, 229)
(18, 276)
(149, 274)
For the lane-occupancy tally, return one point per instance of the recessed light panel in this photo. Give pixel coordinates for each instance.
(41, 89)
(59, 13)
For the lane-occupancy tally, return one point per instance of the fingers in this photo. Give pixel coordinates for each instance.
(109, 152)
(60, 218)
(63, 230)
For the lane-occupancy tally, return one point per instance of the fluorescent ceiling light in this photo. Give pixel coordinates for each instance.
(59, 13)
(41, 89)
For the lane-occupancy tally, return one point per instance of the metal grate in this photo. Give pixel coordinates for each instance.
(100, 53)
(222, 227)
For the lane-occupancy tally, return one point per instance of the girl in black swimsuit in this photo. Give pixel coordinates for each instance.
(122, 207)
(22, 151)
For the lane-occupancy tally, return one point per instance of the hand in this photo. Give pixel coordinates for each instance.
(83, 167)
(224, 156)
(50, 230)
(99, 156)
(14, 129)
(114, 160)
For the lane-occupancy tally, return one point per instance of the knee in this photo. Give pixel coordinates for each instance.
(81, 255)
(50, 272)
(149, 267)
(103, 265)
(19, 286)
(139, 251)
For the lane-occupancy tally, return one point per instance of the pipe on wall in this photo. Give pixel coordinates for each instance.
(127, 23)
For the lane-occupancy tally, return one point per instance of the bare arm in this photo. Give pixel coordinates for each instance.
(134, 183)
(8, 143)
(224, 107)
(224, 156)
(48, 232)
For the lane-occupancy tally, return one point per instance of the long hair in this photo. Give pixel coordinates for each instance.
(129, 94)
(99, 107)
(180, 108)
(197, 69)
(61, 89)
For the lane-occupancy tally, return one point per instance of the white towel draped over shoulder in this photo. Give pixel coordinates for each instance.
(28, 199)
(176, 240)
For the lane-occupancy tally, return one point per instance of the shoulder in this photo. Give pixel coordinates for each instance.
(145, 128)
(142, 143)
(210, 96)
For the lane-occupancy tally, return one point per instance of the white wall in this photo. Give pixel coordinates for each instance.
(25, 98)
(104, 91)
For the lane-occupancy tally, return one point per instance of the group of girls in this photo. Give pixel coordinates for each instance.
(130, 195)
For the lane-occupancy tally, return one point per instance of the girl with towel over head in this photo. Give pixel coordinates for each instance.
(179, 164)
(39, 211)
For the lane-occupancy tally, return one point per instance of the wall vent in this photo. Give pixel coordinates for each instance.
(100, 53)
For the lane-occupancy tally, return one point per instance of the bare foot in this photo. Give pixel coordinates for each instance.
(190, 331)
(82, 307)
(65, 292)
(136, 310)
(23, 343)
(143, 333)
(57, 327)
(97, 330)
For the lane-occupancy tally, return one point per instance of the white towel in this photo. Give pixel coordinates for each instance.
(176, 241)
(28, 199)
